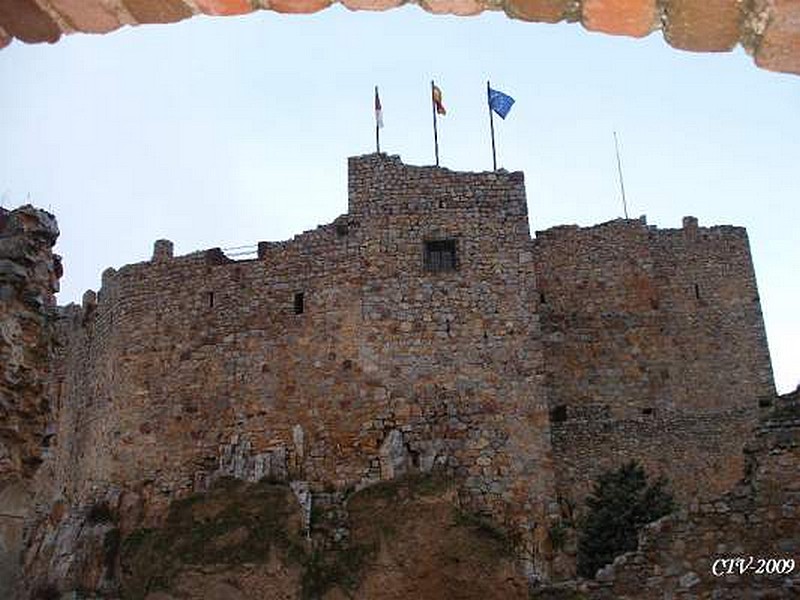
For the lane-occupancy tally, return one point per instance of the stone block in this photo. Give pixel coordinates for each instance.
(89, 16)
(779, 47)
(371, 4)
(11, 271)
(298, 6)
(24, 20)
(547, 11)
(702, 25)
(163, 11)
(635, 18)
(162, 250)
(225, 7)
(453, 7)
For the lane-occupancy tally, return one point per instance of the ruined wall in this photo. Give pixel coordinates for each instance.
(29, 273)
(187, 367)
(757, 519)
(655, 350)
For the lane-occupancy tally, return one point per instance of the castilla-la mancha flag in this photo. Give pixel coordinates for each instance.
(437, 100)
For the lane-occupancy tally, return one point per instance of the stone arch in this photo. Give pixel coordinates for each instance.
(767, 29)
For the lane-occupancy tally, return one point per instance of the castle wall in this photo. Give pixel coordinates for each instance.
(389, 368)
(655, 350)
(735, 545)
(352, 354)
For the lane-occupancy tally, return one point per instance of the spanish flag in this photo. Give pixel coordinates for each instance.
(437, 100)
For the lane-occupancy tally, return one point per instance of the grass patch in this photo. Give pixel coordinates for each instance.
(334, 568)
(407, 487)
(234, 523)
(486, 529)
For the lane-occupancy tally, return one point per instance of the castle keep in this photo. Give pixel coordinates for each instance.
(426, 329)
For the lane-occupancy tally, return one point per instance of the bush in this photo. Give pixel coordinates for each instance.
(621, 502)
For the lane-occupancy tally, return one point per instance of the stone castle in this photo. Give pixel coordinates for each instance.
(424, 330)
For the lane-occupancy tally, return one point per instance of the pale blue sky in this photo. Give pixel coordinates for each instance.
(226, 131)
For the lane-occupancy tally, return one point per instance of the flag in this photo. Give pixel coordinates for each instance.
(437, 100)
(500, 103)
(378, 111)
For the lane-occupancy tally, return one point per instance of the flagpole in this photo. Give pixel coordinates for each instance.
(621, 182)
(491, 127)
(435, 131)
(377, 125)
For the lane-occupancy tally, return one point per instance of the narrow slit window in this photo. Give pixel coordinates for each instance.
(440, 256)
(697, 291)
(558, 414)
(210, 296)
(299, 303)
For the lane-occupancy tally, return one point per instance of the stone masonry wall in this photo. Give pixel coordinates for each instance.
(681, 555)
(655, 350)
(338, 359)
(185, 368)
(29, 273)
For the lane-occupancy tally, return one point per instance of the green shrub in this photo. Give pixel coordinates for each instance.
(621, 502)
(558, 535)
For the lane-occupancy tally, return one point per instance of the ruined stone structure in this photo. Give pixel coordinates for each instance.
(733, 546)
(424, 330)
(757, 518)
(767, 29)
(29, 275)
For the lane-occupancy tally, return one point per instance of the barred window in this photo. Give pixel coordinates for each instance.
(440, 256)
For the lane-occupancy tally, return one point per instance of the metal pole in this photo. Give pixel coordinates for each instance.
(621, 182)
(435, 131)
(491, 127)
(377, 127)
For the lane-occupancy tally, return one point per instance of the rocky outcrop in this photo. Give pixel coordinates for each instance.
(29, 273)
(239, 540)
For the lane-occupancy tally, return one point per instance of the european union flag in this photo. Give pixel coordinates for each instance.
(500, 102)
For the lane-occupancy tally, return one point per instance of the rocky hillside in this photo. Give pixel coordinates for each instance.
(244, 541)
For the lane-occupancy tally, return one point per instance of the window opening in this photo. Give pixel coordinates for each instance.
(440, 256)
(558, 414)
(299, 303)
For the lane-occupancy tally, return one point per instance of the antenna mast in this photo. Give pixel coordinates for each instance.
(621, 182)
